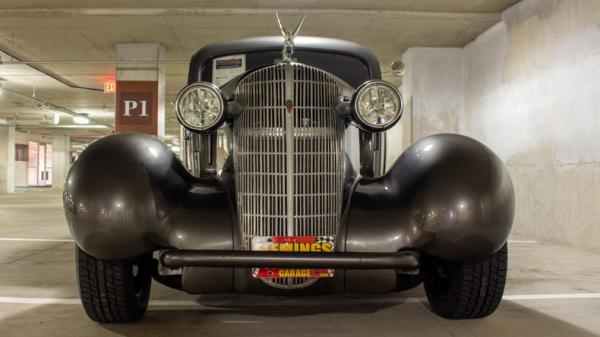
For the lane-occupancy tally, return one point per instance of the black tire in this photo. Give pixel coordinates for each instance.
(114, 291)
(462, 290)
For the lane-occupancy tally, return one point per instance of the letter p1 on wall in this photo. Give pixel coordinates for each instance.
(137, 107)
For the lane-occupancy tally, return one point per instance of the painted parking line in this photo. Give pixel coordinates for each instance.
(522, 241)
(36, 240)
(572, 296)
(366, 300)
(39, 300)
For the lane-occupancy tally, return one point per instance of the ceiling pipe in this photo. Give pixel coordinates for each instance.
(60, 79)
(54, 127)
(55, 108)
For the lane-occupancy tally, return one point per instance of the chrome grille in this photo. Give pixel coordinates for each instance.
(289, 166)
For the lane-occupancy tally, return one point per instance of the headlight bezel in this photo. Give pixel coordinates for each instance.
(218, 121)
(362, 123)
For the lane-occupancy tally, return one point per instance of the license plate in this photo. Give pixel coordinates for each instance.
(308, 244)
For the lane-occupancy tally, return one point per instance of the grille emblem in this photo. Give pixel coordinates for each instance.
(289, 105)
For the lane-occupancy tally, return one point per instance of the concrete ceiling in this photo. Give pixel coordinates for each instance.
(75, 40)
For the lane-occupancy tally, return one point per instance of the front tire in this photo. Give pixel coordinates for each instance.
(114, 291)
(462, 290)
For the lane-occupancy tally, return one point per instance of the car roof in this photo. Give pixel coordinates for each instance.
(275, 43)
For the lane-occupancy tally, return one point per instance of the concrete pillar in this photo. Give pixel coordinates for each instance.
(7, 159)
(61, 159)
(433, 89)
(140, 71)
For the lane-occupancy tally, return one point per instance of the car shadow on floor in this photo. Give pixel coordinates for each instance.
(354, 317)
(328, 316)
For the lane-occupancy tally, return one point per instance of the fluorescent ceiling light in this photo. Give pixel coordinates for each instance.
(81, 119)
(93, 126)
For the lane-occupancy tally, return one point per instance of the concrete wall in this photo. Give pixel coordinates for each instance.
(531, 93)
(433, 91)
(20, 173)
(61, 159)
(436, 80)
(21, 166)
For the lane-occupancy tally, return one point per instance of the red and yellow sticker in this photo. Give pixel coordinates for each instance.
(314, 244)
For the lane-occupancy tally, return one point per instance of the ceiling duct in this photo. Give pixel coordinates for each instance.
(14, 60)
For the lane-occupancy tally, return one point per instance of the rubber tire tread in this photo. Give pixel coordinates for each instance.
(476, 290)
(106, 289)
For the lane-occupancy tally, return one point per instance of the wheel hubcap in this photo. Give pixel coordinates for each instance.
(441, 277)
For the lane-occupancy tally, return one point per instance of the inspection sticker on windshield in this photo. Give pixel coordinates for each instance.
(308, 244)
(227, 67)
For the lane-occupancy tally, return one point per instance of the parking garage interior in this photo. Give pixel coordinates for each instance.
(521, 77)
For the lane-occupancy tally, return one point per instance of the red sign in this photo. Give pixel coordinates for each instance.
(137, 107)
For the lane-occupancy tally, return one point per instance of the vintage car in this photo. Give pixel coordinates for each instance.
(282, 188)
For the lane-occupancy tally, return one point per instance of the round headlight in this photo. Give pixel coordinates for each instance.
(377, 105)
(200, 107)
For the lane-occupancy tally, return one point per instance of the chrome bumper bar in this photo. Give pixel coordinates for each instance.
(406, 261)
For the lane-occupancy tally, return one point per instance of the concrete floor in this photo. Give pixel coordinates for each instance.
(552, 291)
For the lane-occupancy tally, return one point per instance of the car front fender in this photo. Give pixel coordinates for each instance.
(127, 195)
(447, 195)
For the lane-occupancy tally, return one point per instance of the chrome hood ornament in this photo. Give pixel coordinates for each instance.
(288, 38)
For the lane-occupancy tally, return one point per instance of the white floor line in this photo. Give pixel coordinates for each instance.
(36, 240)
(522, 241)
(308, 301)
(34, 300)
(572, 296)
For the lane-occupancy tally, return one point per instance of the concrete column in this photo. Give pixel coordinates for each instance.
(7, 159)
(140, 71)
(61, 159)
(433, 89)
(436, 85)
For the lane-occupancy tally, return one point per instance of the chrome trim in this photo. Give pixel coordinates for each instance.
(364, 124)
(289, 134)
(217, 123)
(289, 167)
(288, 38)
(228, 89)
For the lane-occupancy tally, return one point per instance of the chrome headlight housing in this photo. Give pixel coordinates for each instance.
(200, 107)
(377, 105)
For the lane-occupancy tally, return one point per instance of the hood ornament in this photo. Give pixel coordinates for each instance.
(288, 39)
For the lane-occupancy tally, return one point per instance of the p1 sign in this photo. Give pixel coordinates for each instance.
(137, 107)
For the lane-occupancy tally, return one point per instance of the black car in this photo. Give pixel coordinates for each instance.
(281, 188)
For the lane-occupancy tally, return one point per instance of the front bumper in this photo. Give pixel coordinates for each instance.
(401, 261)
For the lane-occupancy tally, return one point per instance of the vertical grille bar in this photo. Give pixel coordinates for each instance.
(289, 141)
(289, 167)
